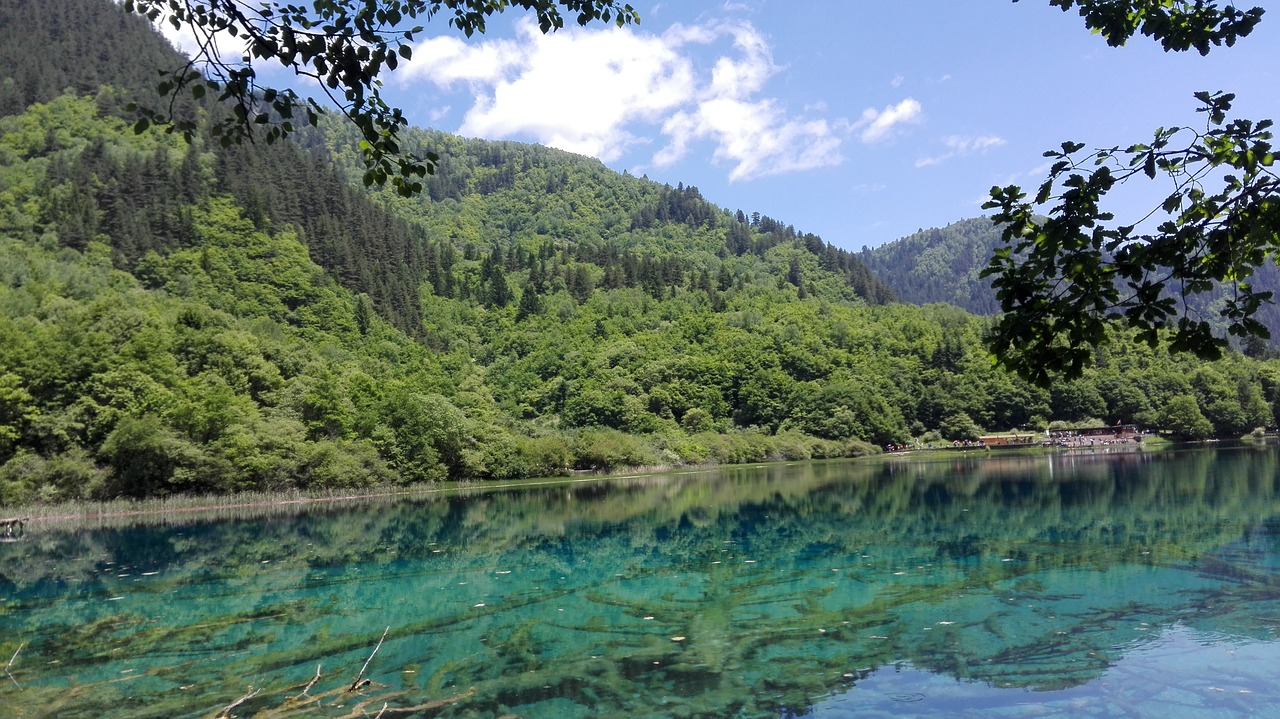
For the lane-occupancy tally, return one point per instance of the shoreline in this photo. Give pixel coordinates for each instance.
(253, 503)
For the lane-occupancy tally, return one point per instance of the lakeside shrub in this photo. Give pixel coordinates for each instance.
(737, 447)
(795, 446)
(606, 449)
(345, 464)
(689, 449)
(498, 457)
(852, 448)
(959, 426)
(549, 456)
(65, 477)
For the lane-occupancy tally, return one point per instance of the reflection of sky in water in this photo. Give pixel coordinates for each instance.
(1110, 586)
(1182, 674)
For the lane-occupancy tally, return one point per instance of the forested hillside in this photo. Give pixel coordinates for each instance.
(184, 317)
(941, 265)
(944, 264)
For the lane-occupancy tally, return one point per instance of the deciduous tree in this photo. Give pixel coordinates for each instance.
(1070, 268)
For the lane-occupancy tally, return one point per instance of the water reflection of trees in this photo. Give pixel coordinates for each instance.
(1023, 570)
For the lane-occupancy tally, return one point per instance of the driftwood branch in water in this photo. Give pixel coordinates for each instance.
(360, 711)
(434, 705)
(9, 666)
(313, 681)
(356, 684)
(226, 711)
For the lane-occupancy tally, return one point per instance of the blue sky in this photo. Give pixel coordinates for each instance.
(859, 120)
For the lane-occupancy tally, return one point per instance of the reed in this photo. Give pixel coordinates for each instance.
(241, 505)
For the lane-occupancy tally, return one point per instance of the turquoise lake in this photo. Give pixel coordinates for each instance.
(1124, 584)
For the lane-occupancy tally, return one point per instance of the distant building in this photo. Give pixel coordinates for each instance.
(1002, 441)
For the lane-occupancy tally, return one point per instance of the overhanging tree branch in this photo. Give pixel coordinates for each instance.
(342, 45)
(1062, 278)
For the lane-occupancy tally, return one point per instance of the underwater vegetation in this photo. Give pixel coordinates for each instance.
(746, 592)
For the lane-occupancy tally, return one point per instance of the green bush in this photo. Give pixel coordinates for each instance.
(689, 449)
(697, 420)
(344, 463)
(502, 458)
(606, 449)
(793, 446)
(959, 426)
(737, 447)
(148, 459)
(549, 456)
(857, 448)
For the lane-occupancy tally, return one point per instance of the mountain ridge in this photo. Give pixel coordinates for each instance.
(944, 265)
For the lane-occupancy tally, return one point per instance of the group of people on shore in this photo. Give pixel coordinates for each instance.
(1057, 439)
(956, 444)
(1101, 441)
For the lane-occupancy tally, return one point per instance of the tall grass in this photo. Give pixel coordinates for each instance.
(241, 505)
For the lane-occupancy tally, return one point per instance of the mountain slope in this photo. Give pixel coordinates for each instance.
(622, 225)
(941, 265)
(50, 46)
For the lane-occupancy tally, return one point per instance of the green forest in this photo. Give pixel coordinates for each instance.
(944, 265)
(191, 318)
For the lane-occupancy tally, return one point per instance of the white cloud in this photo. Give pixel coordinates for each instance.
(868, 188)
(897, 81)
(969, 145)
(523, 86)
(960, 146)
(756, 136)
(590, 91)
(446, 60)
(876, 126)
(1037, 173)
(182, 38)
(220, 45)
(737, 77)
(1040, 170)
